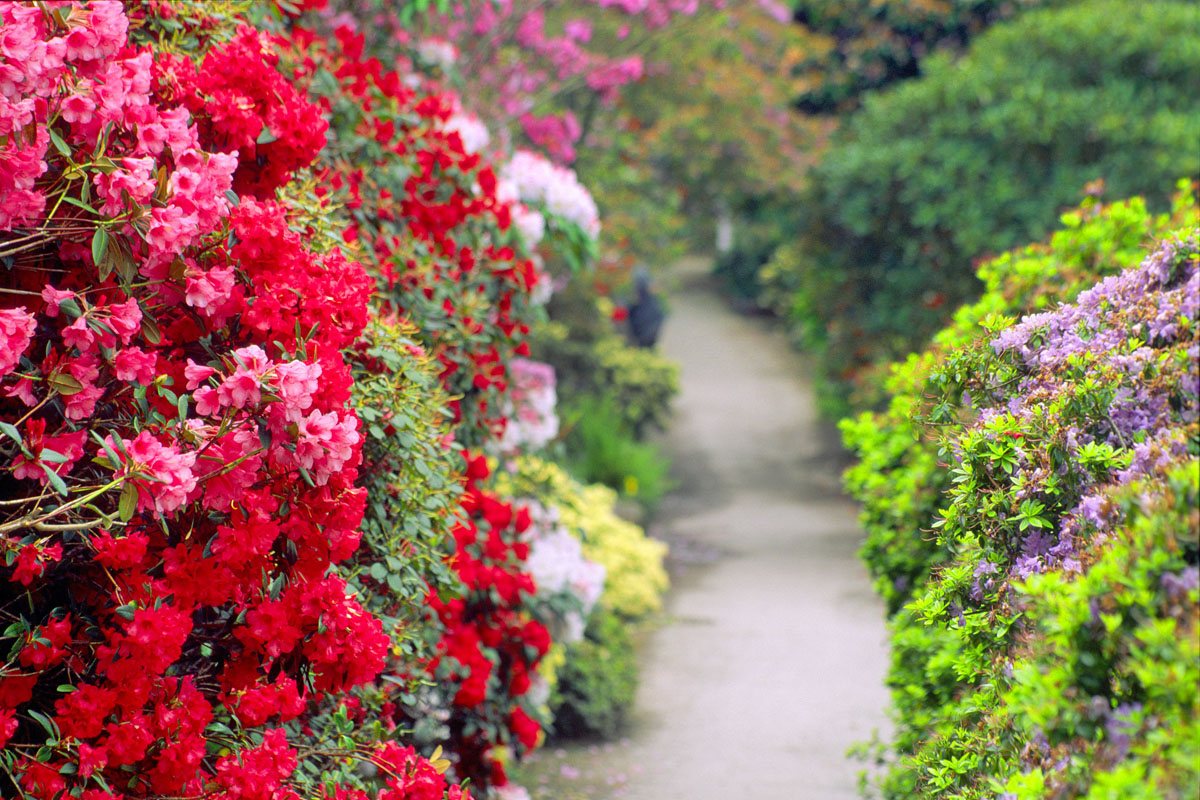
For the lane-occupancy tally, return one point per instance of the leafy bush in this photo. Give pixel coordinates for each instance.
(600, 448)
(862, 45)
(597, 682)
(591, 358)
(977, 156)
(1052, 650)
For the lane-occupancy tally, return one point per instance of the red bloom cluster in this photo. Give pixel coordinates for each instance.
(491, 644)
(430, 222)
(247, 107)
(182, 453)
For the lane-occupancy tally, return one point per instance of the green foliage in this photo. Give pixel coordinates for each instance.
(590, 358)
(978, 155)
(1110, 681)
(601, 448)
(899, 476)
(1040, 649)
(597, 684)
(412, 492)
(863, 45)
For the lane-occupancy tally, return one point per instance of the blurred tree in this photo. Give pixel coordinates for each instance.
(863, 45)
(980, 154)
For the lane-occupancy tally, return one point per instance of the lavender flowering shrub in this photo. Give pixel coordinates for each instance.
(1048, 647)
(899, 478)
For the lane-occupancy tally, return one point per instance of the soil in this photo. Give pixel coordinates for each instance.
(770, 661)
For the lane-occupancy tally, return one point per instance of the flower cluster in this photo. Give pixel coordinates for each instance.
(182, 457)
(532, 421)
(555, 189)
(558, 567)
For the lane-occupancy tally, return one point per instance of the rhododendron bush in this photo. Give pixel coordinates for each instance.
(187, 381)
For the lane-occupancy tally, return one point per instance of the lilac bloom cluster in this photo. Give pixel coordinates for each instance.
(1135, 336)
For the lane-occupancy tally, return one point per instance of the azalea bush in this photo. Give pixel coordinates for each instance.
(1049, 455)
(594, 676)
(899, 476)
(181, 451)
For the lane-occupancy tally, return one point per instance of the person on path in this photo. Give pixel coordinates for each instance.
(645, 314)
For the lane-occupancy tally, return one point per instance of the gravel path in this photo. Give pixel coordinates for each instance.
(771, 661)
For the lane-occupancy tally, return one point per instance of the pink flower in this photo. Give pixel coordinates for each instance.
(196, 374)
(240, 389)
(78, 334)
(16, 332)
(161, 474)
(206, 400)
(209, 288)
(23, 390)
(578, 29)
(78, 108)
(125, 319)
(295, 383)
(54, 298)
(134, 364)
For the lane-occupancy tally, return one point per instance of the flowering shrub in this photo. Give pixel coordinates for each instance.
(899, 477)
(181, 463)
(532, 421)
(1023, 663)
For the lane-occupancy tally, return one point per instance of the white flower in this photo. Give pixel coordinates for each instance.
(557, 188)
(438, 52)
(532, 421)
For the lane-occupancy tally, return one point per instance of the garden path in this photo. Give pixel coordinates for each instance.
(771, 661)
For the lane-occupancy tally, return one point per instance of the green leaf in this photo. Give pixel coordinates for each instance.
(265, 136)
(150, 330)
(128, 502)
(99, 245)
(65, 385)
(58, 143)
(55, 480)
(125, 611)
(11, 432)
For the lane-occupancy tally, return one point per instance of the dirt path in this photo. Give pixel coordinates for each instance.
(772, 659)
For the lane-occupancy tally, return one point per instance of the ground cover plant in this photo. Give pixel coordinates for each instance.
(1040, 550)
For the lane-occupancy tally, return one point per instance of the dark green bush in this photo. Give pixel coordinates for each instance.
(597, 684)
(979, 154)
(872, 43)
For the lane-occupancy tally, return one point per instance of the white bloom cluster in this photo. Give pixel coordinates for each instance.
(438, 52)
(532, 421)
(511, 791)
(556, 188)
(474, 134)
(557, 564)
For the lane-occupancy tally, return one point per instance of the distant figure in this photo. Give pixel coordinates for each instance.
(645, 314)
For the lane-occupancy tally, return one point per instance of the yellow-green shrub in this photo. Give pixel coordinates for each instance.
(636, 578)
